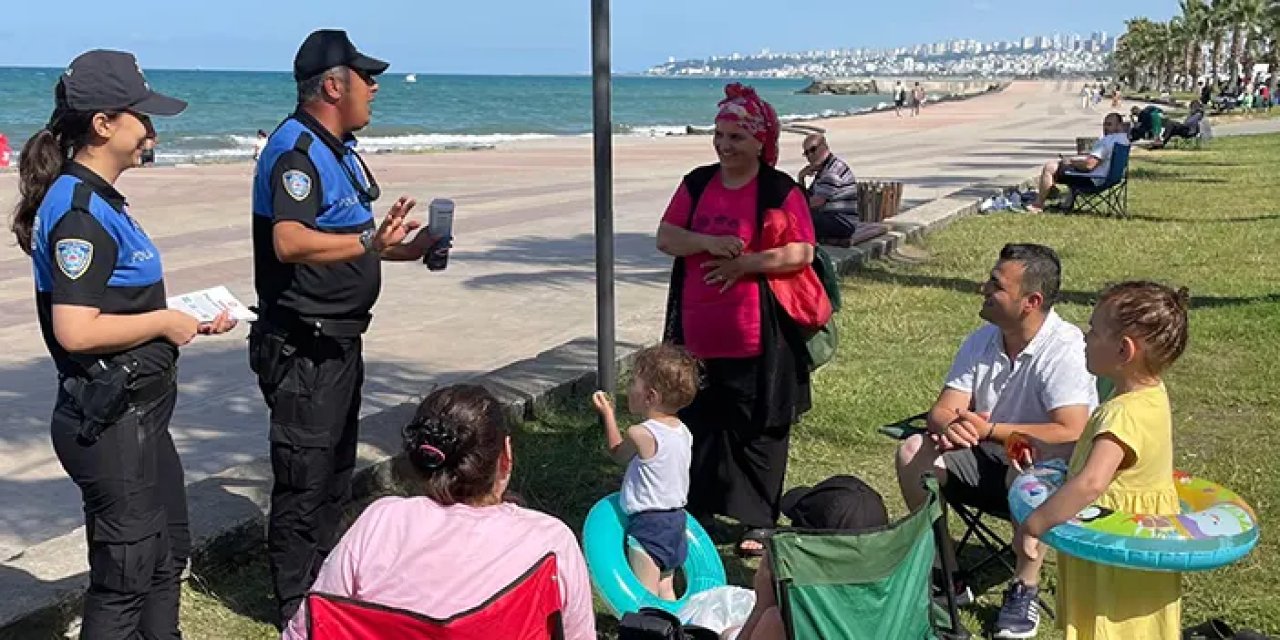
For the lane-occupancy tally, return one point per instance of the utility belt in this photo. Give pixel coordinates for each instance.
(280, 334)
(109, 388)
(291, 323)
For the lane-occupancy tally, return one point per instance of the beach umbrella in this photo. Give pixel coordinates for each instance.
(602, 134)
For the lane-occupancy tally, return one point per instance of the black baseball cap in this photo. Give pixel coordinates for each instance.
(328, 48)
(103, 80)
(842, 503)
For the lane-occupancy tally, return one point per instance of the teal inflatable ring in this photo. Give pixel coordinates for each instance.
(603, 544)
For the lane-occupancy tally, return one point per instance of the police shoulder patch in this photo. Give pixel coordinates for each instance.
(73, 256)
(297, 183)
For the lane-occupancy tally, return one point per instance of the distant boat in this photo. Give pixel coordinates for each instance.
(411, 78)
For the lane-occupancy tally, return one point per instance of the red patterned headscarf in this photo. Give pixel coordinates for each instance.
(744, 108)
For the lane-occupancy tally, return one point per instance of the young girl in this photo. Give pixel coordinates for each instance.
(1124, 462)
(657, 453)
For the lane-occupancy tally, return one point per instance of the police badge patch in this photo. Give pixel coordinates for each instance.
(297, 184)
(74, 256)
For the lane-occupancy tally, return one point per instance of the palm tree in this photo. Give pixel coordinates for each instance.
(1271, 29)
(1144, 56)
(1216, 21)
(1195, 24)
(1244, 18)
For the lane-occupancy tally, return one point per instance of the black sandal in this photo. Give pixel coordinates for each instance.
(758, 536)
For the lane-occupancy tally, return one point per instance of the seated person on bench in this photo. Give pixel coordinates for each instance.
(1144, 125)
(1024, 371)
(1087, 170)
(1188, 128)
(833, 196)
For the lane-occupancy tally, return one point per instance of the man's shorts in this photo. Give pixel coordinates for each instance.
(1072, 179)
(661, 535)
(976, 477)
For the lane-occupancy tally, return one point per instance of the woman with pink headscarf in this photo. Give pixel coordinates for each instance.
(729, 225)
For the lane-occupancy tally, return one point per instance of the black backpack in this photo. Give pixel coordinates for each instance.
(655, 624)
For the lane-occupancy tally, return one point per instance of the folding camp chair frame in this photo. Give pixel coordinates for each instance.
(956, 630)
(1108, 199)
(974, 518)
(1112, 201)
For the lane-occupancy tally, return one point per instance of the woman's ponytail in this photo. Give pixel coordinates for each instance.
(40, 164)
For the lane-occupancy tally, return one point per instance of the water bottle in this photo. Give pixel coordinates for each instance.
(440, 224)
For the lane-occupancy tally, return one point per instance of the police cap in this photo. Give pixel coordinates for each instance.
(103, 80)
(328, 48)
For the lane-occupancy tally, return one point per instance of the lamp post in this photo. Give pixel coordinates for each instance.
(601, 98)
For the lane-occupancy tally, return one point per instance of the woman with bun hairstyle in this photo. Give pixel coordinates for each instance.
(457, 541)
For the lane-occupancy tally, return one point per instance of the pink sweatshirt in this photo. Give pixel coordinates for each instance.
(411, 553)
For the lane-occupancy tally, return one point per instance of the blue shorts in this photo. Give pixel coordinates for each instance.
(661, 535)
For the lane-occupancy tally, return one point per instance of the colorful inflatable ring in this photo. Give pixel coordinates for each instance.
(1215, 527)
(603, 540)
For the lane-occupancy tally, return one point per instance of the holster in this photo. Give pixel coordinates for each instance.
(103, 395)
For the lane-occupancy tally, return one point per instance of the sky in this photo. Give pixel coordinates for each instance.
(524, 36)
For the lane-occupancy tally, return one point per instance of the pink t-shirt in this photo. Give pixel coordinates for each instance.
(413, 554)
(727, 325)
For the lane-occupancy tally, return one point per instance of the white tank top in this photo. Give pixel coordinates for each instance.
(661, 482)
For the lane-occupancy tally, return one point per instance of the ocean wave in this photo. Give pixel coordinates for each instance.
(221, 148)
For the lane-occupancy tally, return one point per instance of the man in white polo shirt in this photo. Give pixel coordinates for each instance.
(1022, 372)
(1089, 169)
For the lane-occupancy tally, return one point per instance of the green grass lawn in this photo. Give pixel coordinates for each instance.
(1204, 219)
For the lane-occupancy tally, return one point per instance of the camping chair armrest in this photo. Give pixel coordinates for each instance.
(903, 429)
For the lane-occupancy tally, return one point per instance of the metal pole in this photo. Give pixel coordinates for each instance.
(606, 371)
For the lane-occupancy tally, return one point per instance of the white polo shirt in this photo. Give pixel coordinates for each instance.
(1103, 150)
(1049, 374)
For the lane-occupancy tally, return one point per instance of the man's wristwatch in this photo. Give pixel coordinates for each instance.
(366, 240)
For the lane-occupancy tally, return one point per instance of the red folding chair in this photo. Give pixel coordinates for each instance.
(526, 609)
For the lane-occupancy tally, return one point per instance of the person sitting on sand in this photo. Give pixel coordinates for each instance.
(833, 196)
(1089, 169)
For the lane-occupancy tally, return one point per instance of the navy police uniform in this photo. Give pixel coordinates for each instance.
(306, 346)
(87, 251)
(110, 424)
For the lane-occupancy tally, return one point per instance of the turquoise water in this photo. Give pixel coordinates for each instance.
(437, 111)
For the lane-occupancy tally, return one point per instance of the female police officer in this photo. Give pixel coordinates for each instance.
(100, 298)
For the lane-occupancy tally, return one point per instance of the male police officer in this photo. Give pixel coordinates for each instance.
(317, 256)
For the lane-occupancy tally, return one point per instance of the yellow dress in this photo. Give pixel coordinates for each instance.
(1103, 602)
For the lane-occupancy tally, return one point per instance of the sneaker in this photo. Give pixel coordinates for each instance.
(964, 595)
(1019, 615)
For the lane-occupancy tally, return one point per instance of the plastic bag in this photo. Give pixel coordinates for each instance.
(719, 608)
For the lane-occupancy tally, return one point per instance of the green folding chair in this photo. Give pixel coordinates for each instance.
(840, 585)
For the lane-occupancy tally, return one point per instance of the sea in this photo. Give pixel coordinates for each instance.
(422, 113)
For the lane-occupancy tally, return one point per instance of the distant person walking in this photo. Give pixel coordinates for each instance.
(259, 144)
(899, 98)
(1086, 98)
(917, 99)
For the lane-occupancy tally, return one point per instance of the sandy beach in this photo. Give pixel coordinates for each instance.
(520, 279)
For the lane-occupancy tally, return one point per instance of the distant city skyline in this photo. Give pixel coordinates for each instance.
(518, 37)
(1069, 53)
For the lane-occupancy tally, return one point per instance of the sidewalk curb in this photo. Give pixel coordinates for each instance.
(42, 587)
